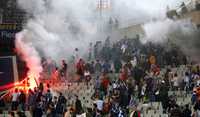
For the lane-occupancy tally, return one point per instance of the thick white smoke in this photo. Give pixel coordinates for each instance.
(28, 53)
(142, 10)
(53, 30)
(161, 30)
(157, 27)
(56, 28)
(182, 33)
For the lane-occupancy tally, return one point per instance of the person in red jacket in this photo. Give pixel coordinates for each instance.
(80, 66)
(105, 82)
(123, 73)
(155, 69)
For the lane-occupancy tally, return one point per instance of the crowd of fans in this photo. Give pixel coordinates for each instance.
(126, 73)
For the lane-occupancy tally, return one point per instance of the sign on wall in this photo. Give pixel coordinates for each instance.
(8, 31)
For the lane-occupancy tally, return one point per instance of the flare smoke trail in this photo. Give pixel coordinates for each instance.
(30, 56)
(53, 30)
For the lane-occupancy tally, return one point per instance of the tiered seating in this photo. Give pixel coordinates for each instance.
(84, 92)
(182, 97)
(6, 114)
(153, 109)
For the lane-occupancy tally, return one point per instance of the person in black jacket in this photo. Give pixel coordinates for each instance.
(176, 112)
(78, 106)
(22, 100)
(60, 106)
(37, 112)
(187, 112)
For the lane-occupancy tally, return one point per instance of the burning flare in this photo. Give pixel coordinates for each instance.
(29, 54)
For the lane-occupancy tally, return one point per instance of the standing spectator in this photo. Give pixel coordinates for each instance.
(63, 70)
(22, 100)
(194, 97)
(31, 100)
(37, 112)
(175, 82)
(106, 67)
(104, 83)
(78, 106)
(114, 110)
(123, 95)
(48, 97)
(163, 96)
(133, 111)
(187, 112)
(51, 111)
(99, 102)
(60, 106)
(41, 87)
(187, 82)
(87, 75)
(123, 73)
(94, 111)
(54, 101)
(176, 112)
(97, 83)
(80, 66)
(38, 95)
(91, 68)
(55, 76)
(15, 97)
(90, 51)
(134, 62)
(98, 67)
(117, 65)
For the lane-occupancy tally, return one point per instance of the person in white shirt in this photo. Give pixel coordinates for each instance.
(123, 48)
(99, 104)
(15, 96)
(87, 76)
(134, 62)
(187, 81)
(175, 81)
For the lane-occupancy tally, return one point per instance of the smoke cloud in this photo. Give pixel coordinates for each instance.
(56, 27)
(182, 33)
(157, 27)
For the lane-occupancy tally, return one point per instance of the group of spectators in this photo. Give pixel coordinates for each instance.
(41, 101)
(126, 73)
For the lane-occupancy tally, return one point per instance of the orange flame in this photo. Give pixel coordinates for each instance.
(32, 80)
